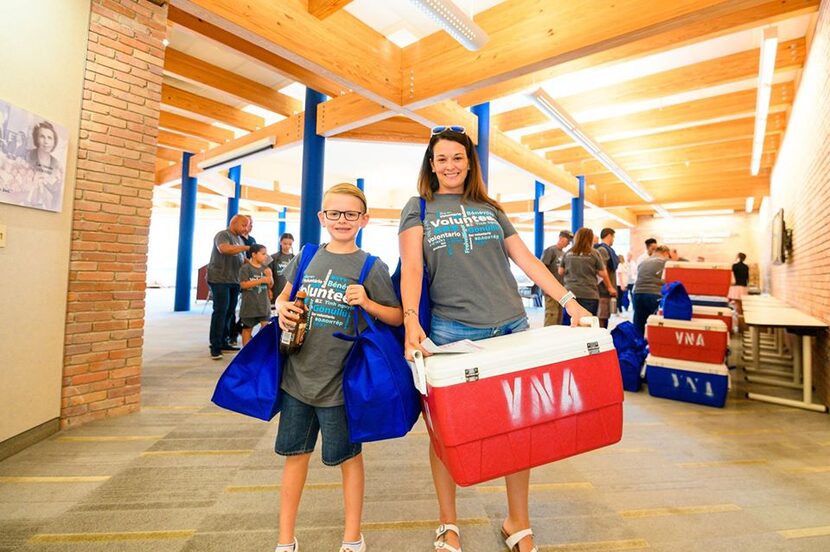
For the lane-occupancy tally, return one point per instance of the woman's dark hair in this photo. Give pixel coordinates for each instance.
(287, 236)
(474, 189)
(256, 248)
(40, 127)
(583, 242)
(742, 257)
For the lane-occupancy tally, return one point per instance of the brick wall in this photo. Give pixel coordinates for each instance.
(801, 185)
(111, 211)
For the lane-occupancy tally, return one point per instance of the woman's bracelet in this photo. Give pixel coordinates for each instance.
(565, 298)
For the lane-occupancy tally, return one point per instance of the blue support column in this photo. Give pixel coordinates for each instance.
(314, 151)
(538, 222)
(359, 240)
(482, 111)
(187, 223)
(578, 207)
(281, 224)
(235, 174)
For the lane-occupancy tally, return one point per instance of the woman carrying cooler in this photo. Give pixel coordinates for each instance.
(466, 241)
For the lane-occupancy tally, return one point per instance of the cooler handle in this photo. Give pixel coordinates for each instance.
(419, 372)
(591, 321)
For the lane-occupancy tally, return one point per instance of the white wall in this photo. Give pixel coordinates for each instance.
(44, 49)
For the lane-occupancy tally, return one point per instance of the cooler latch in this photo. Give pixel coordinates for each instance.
(471, 374)
(593, 347)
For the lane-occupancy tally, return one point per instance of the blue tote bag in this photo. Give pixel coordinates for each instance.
(424, 315)
(250, 385)
(380, 395)
(676, 303)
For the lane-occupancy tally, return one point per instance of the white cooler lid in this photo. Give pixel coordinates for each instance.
(700, 324)
(712, 311)
(515, 352)
(687, 365)
(700, 266)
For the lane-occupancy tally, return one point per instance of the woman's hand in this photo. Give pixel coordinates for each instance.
(356, 295)
(413, 336)
(612, 292)
(576, 311)
(289, 314)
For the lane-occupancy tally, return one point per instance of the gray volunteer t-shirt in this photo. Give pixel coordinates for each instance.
(581, 274)
(314, 374)
(278, 263)
(650, 275)
(255, 303)
(469, 271)
(552, 258)
(224, 269)
(612, 274)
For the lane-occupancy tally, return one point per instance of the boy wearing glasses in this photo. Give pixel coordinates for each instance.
(312, 382)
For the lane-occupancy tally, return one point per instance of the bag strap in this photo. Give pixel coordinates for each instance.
(306, 254)
(364, 273)
(423, 203)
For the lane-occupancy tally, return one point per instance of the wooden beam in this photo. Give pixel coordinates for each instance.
(725, 18)
(380, 213)
(521, 117)
(678, 156)
(737, 203)
(173, 173)
(168, 154)
(704, 169)
(688, 113)
(181, 99)
(181, 142)
(195, 70)
(286, 133)
(340, 47)
(349, 112)
(710, 133)
(286, 68)
(270, 196)
(706, 74)
(395, 129)
(735, 184)
(448, 112)
(623, 215)
(194, 128)
(321, 9)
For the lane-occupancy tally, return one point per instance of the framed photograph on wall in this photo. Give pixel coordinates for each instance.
(33, 154)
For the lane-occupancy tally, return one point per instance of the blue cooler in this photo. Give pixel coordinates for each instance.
(683, 380)
(709, 301)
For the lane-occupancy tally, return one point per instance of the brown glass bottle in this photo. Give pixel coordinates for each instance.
(292, 340)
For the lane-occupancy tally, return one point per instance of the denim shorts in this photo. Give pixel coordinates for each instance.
(300, 423)
(444, 331)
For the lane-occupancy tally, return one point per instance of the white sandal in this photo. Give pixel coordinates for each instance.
(359, 546)
(440, 532)
(293, 547)
(512, 541)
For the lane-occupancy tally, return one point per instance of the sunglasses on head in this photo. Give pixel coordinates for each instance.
(445, 128)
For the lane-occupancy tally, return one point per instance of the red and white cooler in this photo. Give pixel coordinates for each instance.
(700, 278)
(693, 340)
(723, 314)
(524, 400)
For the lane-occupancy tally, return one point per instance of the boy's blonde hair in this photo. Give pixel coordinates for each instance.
(347, 188)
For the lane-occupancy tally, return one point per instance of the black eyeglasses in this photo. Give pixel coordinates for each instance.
(444, 128)
(332, 214)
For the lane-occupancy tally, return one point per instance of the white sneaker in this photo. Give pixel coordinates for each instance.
(293, 547)
(359, 546)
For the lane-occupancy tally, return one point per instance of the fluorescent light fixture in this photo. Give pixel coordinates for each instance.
(705, 213)
(236, 156)
(662, 211)
(457, 24)
(769, 48)
(570, 127)
(750, 203)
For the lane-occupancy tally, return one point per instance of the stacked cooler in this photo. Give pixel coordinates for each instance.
(686, 360)
(706, 283)
(522, 400)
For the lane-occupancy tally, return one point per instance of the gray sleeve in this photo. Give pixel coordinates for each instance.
(506, 225)
(222, 237)
(245, 272)
(379, 285)
(600, 265)
(604, 257)
(410, 214)
(547, 257)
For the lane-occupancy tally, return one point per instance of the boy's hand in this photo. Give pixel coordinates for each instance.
(289, 314)
(356, 296)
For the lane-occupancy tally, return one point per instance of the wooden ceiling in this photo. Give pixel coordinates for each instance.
(691, 155)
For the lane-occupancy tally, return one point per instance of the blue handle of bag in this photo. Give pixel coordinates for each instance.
(306, 254)
(364, 273)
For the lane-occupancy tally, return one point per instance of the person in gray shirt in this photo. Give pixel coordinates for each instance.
(552, 258)
(581, 267)
(646, 297)
(466, 242)
(255, 279)
(226, 258)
